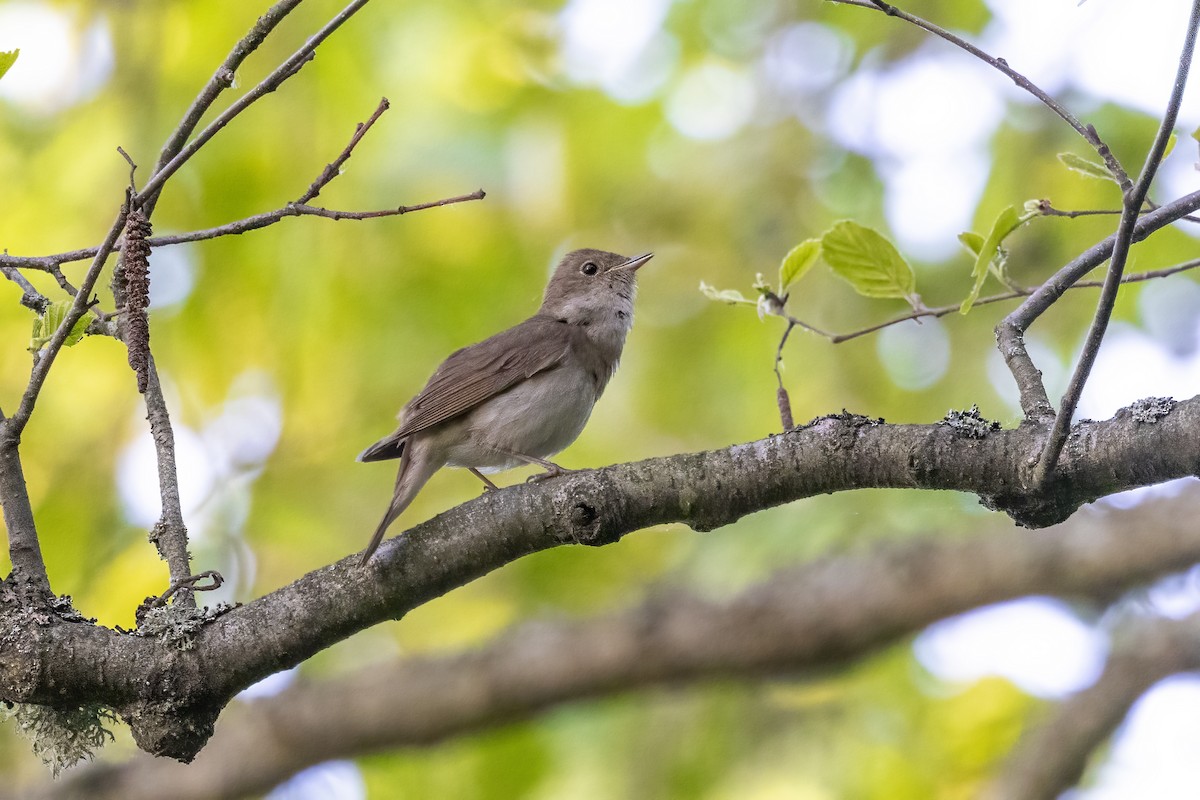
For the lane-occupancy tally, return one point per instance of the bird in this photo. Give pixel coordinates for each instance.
(522, 395)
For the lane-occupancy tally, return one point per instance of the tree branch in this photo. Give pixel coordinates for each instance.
(221, 80)
(781, 624)
(170, 697)
(169, 535)
(256, 222)
(334, 168)
(1010, 333)
(1086, 131)
(1051, 758)
(267, 85)
(945, 311)
(1133, 201)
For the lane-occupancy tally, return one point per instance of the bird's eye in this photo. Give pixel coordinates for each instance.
(589, 268)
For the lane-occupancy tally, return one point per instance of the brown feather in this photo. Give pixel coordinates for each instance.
(475, 374)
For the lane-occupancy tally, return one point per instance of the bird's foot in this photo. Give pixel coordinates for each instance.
(552, 471)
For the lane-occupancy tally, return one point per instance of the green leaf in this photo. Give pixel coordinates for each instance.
(1078, 163)
(972, 241)
(1167, 150)
(868, 261)
(798, 262)
(49, 322)
(1007, 222)
(7, 59)
(730, 296)
(1196, 134)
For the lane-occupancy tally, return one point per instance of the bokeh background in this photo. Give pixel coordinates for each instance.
(716, 133)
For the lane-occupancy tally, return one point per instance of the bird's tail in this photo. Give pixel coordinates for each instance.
(416, 467)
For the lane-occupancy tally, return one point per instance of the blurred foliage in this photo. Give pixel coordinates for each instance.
(322, 330)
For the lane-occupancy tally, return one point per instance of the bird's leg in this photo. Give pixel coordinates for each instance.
(488, 486)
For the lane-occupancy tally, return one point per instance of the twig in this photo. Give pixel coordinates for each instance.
(942, 311)
(1052, 757)
(783, 623)
(1010, 332)
(1112, 283)
(30, 298)
(1088, 132)
(782, 399)
(316, 211)
(334, 168)
(1048, 210)
(258, 221)
(170, 533)
(221, 80)
(15, 424)
(191, 583)
(267, 85)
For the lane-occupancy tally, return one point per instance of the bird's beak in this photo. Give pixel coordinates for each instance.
(634, 263)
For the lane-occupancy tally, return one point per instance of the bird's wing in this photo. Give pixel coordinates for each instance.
(477, 373)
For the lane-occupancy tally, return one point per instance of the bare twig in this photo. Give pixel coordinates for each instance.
(30, 296)
(267, 85)
(327, 213)
(943, 311)
(170, 533)
(15, 424)
(334, 168)
(781, 393)
(191, 583)
(221, 80)
(258, 221)
(1086, 131)
(1134, 199)
(1052, 757)
(1046, 209)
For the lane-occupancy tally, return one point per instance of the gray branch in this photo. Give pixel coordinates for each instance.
(785, 624)
(1052, 757)
(171, 697)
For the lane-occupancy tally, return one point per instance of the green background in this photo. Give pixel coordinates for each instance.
(337, 324)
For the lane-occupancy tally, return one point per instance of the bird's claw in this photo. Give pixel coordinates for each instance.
(548, 474)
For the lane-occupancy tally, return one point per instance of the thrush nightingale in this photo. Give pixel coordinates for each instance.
(523, 394)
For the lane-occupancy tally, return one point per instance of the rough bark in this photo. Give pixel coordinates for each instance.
(170, 696)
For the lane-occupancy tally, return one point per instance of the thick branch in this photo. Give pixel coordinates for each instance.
(24, 551)
(782, 624)
(705, 490)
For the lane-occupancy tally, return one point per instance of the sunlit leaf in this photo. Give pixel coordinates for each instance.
(972, 241)
(989, 251)
(868, 261)
(798, 262)
(1170, 146)
(730, 296)
(1077, 163)
(49, 322)
(7, 59)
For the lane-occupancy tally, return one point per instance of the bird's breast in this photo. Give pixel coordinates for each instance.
(538, 417)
